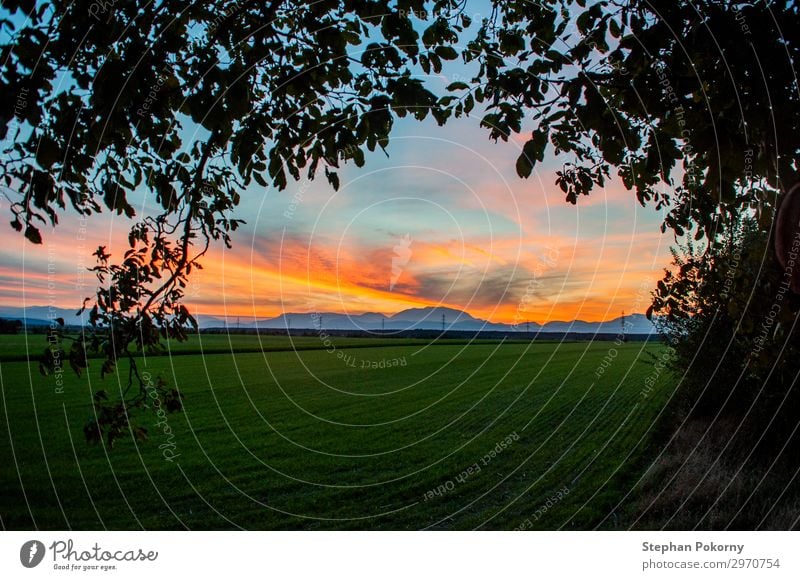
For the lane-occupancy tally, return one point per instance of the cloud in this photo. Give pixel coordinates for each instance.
(478, 238)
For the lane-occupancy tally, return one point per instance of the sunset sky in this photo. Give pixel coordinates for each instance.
(478, 237)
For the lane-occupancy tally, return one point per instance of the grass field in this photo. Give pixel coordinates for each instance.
(21, 347)
(446, 436)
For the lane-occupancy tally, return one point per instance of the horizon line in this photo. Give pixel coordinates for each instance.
(352, 315)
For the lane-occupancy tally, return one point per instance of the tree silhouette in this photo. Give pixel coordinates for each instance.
(683, 101)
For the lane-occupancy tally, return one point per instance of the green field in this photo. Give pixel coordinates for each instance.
(15, 348)
(312, 439)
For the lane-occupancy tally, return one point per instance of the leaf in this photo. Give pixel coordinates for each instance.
(614, 28)
(469, 103)
(425, 63)
(333, 178)
(33, 234)
(358, 157)
(259, 179)
(436, 62)
(524, 164)
(532, 152)
(446, 52)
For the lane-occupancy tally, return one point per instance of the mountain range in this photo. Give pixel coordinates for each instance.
(428, 318)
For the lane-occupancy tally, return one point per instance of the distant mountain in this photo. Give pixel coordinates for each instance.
(428, 318)
(372, 317)
(433, 313)
(633, 323)
(42, 315)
